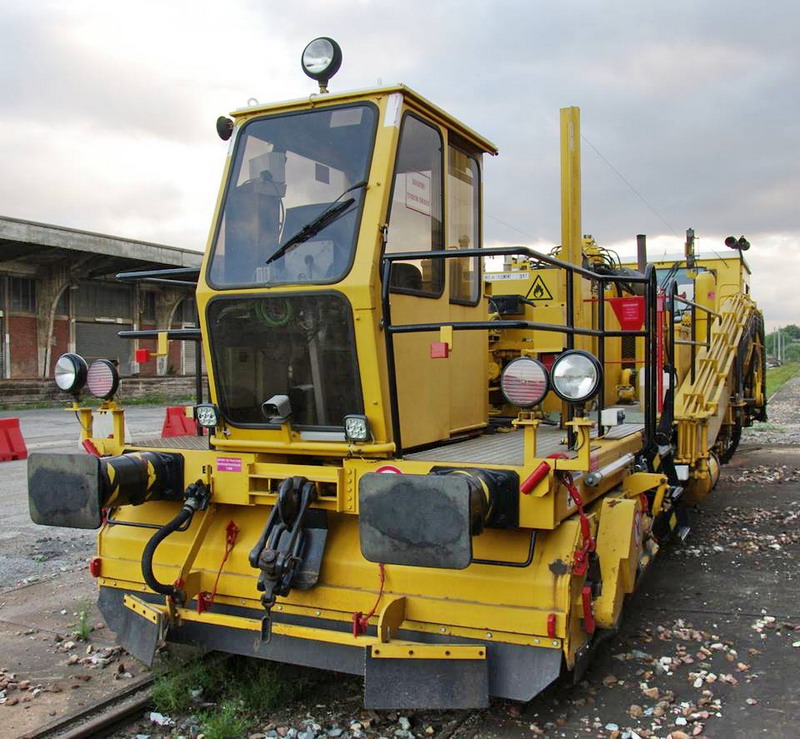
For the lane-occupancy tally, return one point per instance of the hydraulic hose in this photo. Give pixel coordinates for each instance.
(184, 515)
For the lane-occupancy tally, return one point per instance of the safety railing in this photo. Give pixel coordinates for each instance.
(569, 329)
(671, 297)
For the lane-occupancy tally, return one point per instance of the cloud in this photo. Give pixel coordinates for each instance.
(688, 109)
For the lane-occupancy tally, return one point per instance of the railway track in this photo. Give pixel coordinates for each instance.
(102, 718)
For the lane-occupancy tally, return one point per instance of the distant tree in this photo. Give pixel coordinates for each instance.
(792, 330)
(791, 352)
(789, 334)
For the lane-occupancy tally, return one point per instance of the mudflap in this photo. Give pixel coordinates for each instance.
(425, 683)
(137, 633)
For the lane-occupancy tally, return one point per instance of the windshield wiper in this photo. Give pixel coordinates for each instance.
(332, 213)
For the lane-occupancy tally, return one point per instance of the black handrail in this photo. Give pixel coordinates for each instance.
(648, 279)
(177, 334)
(169, 276)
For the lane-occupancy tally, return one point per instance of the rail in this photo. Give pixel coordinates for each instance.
(569, 329)
(176, 334)
(170, 276)
(693, 342)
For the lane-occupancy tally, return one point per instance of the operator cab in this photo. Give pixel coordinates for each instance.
(315, 193)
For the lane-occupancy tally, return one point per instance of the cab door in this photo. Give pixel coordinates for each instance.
(435, 205)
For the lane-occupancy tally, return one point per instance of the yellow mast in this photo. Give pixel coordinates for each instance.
(571, 235)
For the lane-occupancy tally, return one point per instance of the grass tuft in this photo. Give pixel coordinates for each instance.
(174, 691)
(242, 689)
(82, 629)
(228, 721)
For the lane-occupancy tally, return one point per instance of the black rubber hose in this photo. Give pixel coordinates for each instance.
(184, 515)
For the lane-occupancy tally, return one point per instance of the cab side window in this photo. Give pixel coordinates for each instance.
(415, 216)
(464, 230)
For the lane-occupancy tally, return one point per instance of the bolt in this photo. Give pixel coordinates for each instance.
(488, 634)
(555, 643)
(443, 629)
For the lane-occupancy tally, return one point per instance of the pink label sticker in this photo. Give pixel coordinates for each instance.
(229, 464)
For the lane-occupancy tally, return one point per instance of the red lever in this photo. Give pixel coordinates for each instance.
(535, 478)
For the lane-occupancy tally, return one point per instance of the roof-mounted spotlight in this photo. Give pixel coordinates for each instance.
(321, 60)
(742, 244)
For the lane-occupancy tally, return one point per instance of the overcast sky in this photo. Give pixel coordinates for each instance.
(689, 110)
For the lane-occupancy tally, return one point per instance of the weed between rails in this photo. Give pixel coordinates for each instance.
(229, 694)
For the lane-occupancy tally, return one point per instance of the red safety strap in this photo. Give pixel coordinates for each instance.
(360, 621)
(580, 562)
(205, 599)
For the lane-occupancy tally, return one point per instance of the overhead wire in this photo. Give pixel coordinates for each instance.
(513, 228)
(621, 176)
(633, 189)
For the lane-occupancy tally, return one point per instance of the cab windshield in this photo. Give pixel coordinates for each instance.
(293, 202)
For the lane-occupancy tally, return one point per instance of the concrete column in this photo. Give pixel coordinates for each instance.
(167, 300)
(51, 283)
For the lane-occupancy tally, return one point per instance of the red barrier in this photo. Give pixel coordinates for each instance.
(177, 423)
(12, 445)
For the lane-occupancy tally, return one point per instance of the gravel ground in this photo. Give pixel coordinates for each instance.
(707, 648)
(783, 412)
(31, 553)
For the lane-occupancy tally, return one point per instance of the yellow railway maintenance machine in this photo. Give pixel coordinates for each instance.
(353, 505)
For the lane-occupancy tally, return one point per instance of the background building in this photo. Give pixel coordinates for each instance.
(58, 294)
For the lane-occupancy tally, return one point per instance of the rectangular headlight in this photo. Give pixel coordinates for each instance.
(207, 415)
(356, 428)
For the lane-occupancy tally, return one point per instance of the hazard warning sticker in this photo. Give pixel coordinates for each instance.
(539, 290)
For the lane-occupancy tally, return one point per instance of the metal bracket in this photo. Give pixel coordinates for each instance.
(427, 651)
(391, 616)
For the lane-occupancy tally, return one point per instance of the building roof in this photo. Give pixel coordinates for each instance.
(26, 243)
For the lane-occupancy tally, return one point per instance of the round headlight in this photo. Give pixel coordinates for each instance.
(321, 59)
(576, 376)
(102, 379)
(70, 372)
(524, 382)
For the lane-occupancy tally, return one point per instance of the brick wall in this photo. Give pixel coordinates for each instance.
(34, 391)
(60, 344)
(23, 351)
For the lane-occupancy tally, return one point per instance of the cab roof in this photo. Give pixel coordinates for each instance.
(412, 98)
